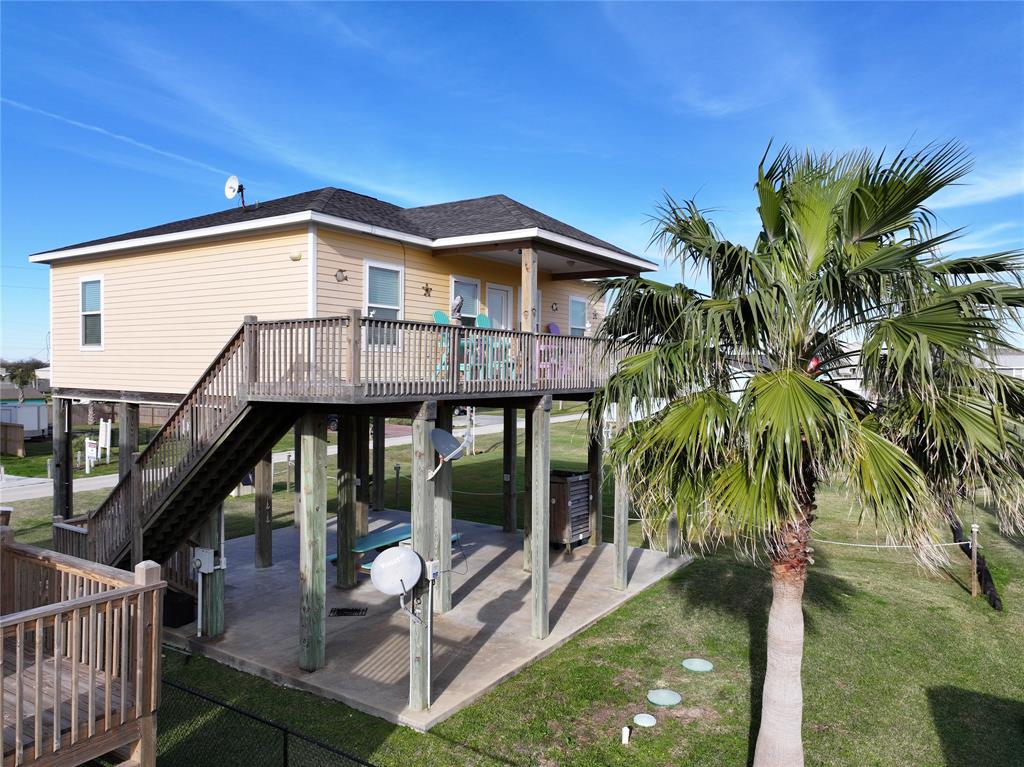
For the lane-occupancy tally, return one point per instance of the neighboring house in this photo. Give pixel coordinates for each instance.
(258, 318)
(32, 413)
(43, 379)
(1010, 363)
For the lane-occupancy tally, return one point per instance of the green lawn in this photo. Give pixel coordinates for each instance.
(901, 667)
(39, 451)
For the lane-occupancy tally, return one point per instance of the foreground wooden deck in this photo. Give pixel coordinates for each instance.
(42, 694)
(80, 663)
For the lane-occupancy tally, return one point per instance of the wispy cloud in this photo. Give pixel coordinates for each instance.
(1006, 235)
(982, 187)
(115, 136)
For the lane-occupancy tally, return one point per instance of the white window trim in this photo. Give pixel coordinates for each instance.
(451, 291)
(367, 263)
(586, 312)
(82, 347)
(513, 317)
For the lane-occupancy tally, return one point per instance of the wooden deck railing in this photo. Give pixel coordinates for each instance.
(80, 666)
(325, 360)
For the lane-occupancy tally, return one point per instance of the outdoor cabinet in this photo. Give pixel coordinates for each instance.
(570, 507)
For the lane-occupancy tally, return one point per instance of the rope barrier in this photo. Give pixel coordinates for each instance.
(889, 545)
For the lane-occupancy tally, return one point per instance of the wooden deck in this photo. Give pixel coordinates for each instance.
(79, 657)
(35, 696)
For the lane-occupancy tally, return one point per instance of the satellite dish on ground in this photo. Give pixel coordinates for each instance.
(396, 570)
(448, 447)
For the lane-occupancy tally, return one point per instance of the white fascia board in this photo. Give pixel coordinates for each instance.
(157, 240)
(543, 234)
(375, 231)
(311, 217)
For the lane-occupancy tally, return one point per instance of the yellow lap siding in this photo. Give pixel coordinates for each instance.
(167, 312)
(337, 250)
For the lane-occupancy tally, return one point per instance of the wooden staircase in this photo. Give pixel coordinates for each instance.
(206, 447)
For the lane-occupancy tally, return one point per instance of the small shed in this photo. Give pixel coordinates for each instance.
(32, 412)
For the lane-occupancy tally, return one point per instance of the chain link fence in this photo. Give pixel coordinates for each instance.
(197, 730)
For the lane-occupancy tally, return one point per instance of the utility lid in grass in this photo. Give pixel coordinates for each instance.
(644, 720)
(664, 697)
(698, 664)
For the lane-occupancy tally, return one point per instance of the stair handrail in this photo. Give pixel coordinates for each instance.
(110, 524)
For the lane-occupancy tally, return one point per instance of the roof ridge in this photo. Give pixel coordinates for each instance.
(515, 208)
(322, 198)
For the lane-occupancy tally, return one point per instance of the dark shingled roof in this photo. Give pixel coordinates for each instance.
(483, 215)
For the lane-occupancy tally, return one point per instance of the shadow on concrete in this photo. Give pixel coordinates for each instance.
(742, 589)
(481, 575)
(492, 615)
(976, 728)
(573, 586)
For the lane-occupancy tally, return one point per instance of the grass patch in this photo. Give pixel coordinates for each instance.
(900, 666)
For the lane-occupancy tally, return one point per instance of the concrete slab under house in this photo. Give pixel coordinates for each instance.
(264, 319)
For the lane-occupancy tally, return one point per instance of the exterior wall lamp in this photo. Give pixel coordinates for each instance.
(554, 306)
(341, 275)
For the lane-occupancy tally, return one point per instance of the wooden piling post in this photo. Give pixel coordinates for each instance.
(297, 439)
(443, 520)
(621, 512)
(379, 468)
(974, 560)
(263, 479)
(347, 563)
(528, 491)
(673, 546)
(212, 584)
(422, 543)
(127, 436)
(508, 468)
(135, 490)
(362, 475)
(313, 543)
(595, 468)
(541, 513)
(63, 465)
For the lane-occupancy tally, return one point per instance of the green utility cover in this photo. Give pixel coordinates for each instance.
(697, 664)
(664, 697)
(644, 720)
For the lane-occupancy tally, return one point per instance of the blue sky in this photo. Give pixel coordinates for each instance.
(118, 116)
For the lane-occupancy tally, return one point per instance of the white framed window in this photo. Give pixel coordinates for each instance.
(90, 305)
(469, 290)
(577, 316)
(382, 297)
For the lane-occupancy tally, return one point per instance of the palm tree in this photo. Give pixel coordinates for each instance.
(747, 384)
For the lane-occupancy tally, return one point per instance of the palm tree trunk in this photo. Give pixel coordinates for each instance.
(779, 739)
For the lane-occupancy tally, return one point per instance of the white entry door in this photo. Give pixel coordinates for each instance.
(499, 306)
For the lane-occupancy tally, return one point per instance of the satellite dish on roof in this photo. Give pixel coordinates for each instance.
(233, 187)
(448, 448)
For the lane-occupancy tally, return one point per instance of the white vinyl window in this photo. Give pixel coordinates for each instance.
(577, 316)
(383, 299)
(91, 309)
(469, 290)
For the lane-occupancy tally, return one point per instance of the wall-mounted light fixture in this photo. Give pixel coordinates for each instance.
(295, 255)
(594, 314)
(554, 306)
(341, 275)
(427, 289)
